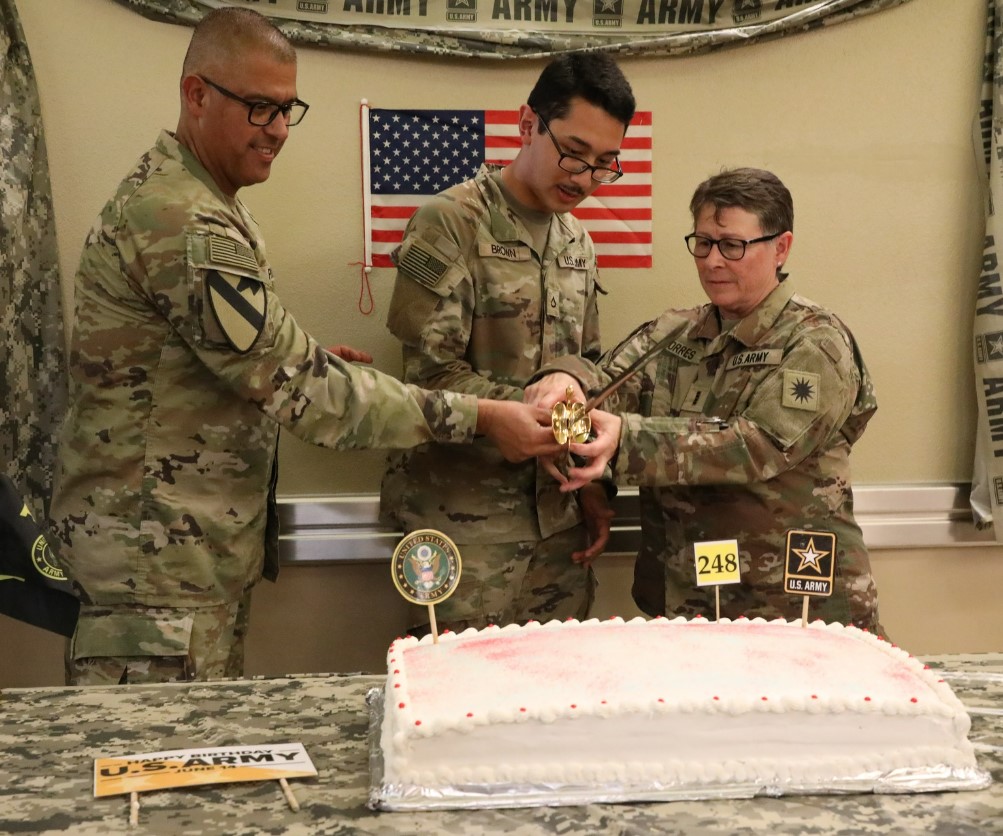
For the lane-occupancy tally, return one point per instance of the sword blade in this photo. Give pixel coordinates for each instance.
(627, 373)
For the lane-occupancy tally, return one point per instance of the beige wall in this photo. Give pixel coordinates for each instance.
(868, 122)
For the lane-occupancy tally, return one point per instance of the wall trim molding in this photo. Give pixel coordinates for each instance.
(344, 528)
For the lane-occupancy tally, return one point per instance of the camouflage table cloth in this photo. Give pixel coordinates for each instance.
(49, 738)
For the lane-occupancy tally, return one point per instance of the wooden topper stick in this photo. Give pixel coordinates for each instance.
(804, 611)
(432, 624)
(134, 809)
(717, 603)
(294, 805)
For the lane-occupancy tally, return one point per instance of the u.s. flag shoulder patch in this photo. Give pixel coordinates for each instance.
(422, 263)
(801, 390)
(226, 252)
(239, 305)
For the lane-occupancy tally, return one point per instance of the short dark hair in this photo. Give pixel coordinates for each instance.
(594, 76)
(223, 35)
(752, 189)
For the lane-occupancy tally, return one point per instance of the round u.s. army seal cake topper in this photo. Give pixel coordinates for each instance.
(426, 566)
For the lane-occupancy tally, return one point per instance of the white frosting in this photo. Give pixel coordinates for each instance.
(671, 702)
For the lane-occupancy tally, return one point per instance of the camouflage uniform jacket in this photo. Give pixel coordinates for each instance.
(478, 310)
(793, 391)
(166, 491)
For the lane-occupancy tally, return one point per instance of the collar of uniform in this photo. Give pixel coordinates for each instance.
(506, 225)
(168, 145)
(751, 329)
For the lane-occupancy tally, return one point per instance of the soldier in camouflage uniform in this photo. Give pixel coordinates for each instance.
(741, 427)
(496, 278)
(185, 364)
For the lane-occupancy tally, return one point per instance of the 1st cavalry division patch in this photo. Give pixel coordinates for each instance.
(239, 304)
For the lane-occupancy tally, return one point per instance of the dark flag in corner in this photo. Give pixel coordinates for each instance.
(33, 588)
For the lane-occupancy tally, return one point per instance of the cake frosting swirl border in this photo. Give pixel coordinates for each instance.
(389, 796)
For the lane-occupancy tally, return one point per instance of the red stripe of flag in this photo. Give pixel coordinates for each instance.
(602, 236)
(404, 212)
(611, 261)
(601, 213)
(615, 190)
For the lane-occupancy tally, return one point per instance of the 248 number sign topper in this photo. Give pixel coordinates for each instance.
(716, 564)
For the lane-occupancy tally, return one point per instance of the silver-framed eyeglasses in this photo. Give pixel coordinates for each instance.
(261, 113)
(732, 249)
(576, 165)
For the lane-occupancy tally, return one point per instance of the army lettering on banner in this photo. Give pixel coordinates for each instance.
(499, 29)
(987, 338)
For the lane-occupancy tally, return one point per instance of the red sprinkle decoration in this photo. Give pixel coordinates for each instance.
(603, 702)
(417, 722)
(400, 705)
(573, 705)
(396, 670)
(764, 699)
(814, 696)
(717, 698)
(522, 709)
(660, 699)
(913, 699)
(867, 699)
(470, 714)
(397, 685)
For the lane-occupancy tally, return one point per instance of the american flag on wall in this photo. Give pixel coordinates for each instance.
(414, 154)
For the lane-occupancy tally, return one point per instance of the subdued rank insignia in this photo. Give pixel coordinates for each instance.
(810, 563)
(801, 390)
(426, 566)
(239, 305)
(422, 265)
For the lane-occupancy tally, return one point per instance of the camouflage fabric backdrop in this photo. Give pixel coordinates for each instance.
(497, 28)
(987, 135)
(32, 376)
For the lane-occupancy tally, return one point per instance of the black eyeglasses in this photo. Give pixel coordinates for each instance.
(732, 249)
(263, 113)
(576, 165)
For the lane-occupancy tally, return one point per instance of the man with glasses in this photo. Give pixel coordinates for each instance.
(496, 278)
(740, 423)
(184, 365)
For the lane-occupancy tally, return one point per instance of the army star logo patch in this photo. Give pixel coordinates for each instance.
(239, 305)
(801, 390)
